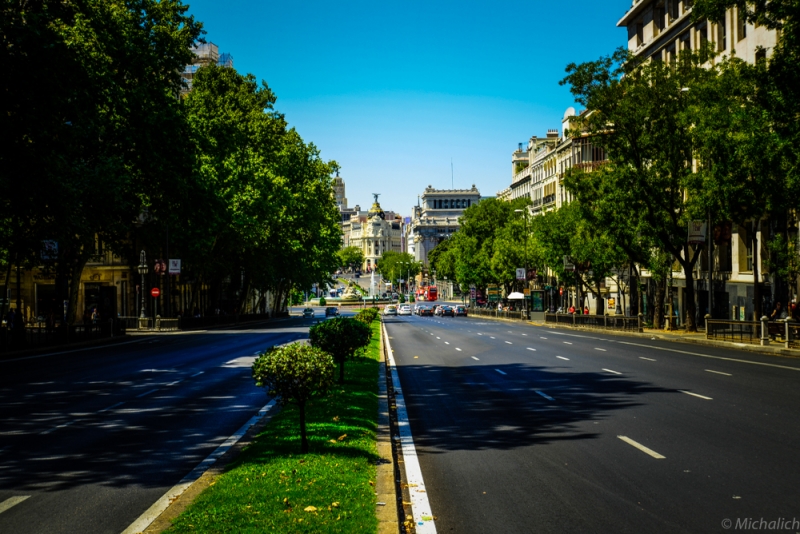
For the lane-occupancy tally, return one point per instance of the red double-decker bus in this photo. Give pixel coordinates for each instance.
(431, 293)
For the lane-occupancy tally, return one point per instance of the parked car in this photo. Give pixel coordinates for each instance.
(390, 309)
(404, 310)
(461, 311)
(331, 310)
(308, 312)
(426, 311)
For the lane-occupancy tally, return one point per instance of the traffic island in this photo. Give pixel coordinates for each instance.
(271, 487)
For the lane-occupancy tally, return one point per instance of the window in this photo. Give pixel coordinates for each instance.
(722, 35)
(669, 53)
(741, 24)
(673, 10)
(685, 42)
(761, 54)
(639, 33)
(702, 35)
(658, 18)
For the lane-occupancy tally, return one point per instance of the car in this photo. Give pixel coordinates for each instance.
(426, 311)
(390, 309)
(461, 311)
(404, 310)
(331, 310)
(444, 311)
(308, 312)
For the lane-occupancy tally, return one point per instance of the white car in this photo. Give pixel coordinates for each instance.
(391, 309)
(405, 309)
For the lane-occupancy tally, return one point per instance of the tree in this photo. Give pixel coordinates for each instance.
(396, 265)
(341, 337)
(351, 257)
(295, 374)
(641, 114)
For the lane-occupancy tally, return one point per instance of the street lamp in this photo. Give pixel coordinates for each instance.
(525, 300)
(142, 271)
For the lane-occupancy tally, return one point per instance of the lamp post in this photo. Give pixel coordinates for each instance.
(525, 300)
(142, 271)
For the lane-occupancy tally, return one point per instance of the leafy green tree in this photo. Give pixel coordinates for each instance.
(351, 257)
(396, 265)
(513, 248)
(295, 374)
(650, 147)
(341, 337)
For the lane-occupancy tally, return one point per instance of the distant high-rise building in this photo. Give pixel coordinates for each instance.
(205, 54)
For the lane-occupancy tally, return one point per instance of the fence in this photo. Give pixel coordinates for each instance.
(608, 322)
(488, 312)
(33, 337)
(762, 332)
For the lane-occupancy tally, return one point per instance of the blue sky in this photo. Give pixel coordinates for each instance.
(394, 90)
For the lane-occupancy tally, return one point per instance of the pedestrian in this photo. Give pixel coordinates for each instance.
(586, 310)
(572, 309)
(778, 312)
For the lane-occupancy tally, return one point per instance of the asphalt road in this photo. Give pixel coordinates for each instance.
(526, 429)
(90, 439)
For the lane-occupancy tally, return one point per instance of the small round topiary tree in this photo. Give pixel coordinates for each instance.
(294, 374)
(322, 301)
(340, 337)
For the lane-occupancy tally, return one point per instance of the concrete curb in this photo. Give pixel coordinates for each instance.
(385, 485)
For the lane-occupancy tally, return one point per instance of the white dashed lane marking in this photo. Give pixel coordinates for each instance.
(567, 343)
(146, 393)
(696, 395)
(548, 397)
(718, 372)
(509, 342)
(540, 337)
(534, 350)
(501, 372)
(446, 342)
(459, 350)
(111, 407)
(476, 359)
(562, 358)
(597, 348)
(12, 501)
(197, 374)
(610, 371)
(641, 447)
(648, 359)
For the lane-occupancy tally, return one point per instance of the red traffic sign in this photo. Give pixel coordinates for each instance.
(561, 291)
(155, 292)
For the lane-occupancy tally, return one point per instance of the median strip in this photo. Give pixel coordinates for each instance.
(642, 448)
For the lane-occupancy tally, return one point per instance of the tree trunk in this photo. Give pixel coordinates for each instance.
(633, 285)
(658, 308)
(303, 437)
(598, 303)
(691, 306)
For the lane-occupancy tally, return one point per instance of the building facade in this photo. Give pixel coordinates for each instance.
(437, 217)
(374, 233)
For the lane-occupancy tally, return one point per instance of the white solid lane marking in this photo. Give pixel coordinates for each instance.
(695, 395)
(641, 447)
(718, 372)
(610, 371)
(509, 342)
(534, 350)
(501, 372)
(648, 359)
(111, 407)
(420, 507)
(598, 348)
(446, 342)
(562, 358)
(12, 501)
(197, 374)
(146, 393)
(459, 350)
(548, 397)
(161, 504)
(476, 359)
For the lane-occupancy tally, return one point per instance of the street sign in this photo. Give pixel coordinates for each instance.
(560, 290)
(49, 250)
(520, 274)
(174, 266)
(697, 233)
(568, 265)
(155, 292)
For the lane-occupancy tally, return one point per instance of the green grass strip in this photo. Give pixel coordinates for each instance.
(270, 485)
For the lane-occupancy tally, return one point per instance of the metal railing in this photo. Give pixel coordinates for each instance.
(167, 325)
(734, 331)
(489, 312)
(608, 322)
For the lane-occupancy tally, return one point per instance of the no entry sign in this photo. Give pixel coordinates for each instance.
(155, 292)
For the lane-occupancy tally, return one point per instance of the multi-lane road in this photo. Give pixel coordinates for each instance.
(90, 439)
(527, 429)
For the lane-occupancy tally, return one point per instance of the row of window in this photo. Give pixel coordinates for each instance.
(449, 203)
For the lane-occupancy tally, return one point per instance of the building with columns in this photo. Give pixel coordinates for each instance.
(374, 233)
(437, 218)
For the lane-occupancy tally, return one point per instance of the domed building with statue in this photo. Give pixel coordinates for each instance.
(374, 234)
